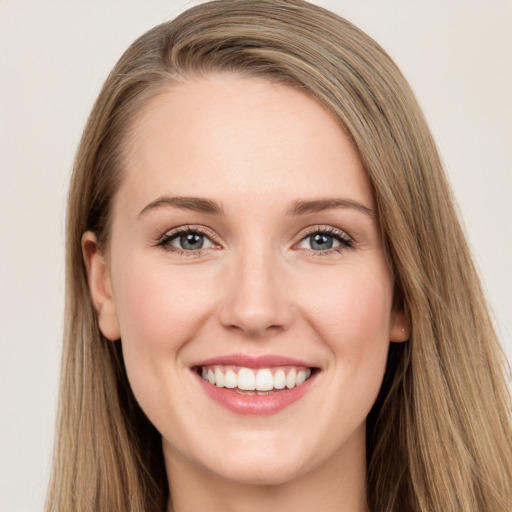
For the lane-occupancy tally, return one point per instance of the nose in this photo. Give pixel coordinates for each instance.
(256, 300)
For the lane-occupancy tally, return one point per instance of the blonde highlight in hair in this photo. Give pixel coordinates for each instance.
(439, 436)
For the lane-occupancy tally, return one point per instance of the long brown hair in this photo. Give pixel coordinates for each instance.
(439, 436)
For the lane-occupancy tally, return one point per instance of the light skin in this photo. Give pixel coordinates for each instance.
(273, 170)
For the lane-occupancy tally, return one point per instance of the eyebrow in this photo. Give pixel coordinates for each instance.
(319, 205)
(197, 204)
(203, 205)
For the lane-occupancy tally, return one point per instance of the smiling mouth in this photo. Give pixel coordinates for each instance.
(255, 381)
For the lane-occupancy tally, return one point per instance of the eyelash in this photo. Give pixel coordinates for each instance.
(345, 241)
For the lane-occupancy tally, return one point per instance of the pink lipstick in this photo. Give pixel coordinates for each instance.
(261, 385)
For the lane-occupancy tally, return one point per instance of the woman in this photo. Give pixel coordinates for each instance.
(257, 210)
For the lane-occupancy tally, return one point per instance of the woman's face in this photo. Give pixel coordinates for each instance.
(245, 251)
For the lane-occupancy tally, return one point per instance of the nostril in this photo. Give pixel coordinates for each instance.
(255, 329)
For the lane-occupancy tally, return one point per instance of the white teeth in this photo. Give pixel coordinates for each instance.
(279, 379)
(248, 379)
(301, 377)
(291, 379)
(230, 379)
(264, 380)
(219, 378)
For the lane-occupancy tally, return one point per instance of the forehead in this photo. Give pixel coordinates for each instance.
(227, 138)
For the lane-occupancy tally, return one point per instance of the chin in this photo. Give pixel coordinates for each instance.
(261, 466)
(265, 473)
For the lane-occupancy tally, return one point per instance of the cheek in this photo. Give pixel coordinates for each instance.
(353, 320)
(160, 309)
(353, 303)
(365, 313)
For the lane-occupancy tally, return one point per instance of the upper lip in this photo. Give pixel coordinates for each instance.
(247, 361)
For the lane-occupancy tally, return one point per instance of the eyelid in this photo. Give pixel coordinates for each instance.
(324, 228)
(187, 228)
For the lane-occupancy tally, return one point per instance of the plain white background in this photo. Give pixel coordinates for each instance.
(54, 56)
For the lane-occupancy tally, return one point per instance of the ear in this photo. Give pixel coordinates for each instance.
(399, 328)
(98, 276)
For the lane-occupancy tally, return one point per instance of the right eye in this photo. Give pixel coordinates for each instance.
(185, 240)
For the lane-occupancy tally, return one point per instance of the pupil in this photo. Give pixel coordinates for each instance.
(321, 242)
(191, 241)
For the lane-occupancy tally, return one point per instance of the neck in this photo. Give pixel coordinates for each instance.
(338, 485)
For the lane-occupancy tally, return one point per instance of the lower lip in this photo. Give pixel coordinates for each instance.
(255, 405)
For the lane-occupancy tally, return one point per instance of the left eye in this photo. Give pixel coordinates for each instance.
(188, 241)
(322, 241)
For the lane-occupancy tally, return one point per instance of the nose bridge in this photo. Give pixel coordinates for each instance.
(255, 300)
